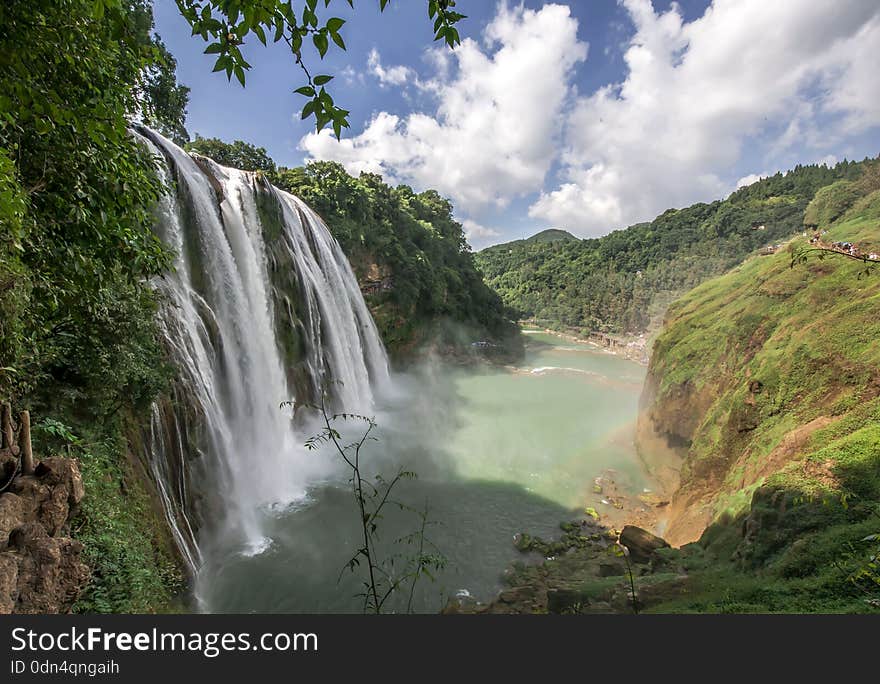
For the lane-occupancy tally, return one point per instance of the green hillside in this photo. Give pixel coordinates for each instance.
(551, 235)
(777, 367)
(624, 281)
(765, 382)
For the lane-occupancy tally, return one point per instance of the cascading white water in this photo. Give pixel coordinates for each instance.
(262, 307)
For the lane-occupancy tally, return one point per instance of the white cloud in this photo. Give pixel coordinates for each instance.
(748, 180)
(696, 93)
(396, 75)
(477, 234)
(351, 76)
(495, 131)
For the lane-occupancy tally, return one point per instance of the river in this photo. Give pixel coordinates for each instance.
(497, 451)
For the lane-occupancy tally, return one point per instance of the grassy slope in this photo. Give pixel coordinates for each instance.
(788, 469)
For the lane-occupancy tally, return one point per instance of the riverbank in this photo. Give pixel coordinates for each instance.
(550, 571)
(635, 348)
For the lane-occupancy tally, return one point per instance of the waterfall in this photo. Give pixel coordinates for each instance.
(261, 307)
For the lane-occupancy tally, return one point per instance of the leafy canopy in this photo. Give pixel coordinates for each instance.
(77, 196)
(237, 154)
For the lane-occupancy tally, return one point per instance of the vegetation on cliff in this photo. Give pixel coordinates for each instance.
(78, 343)
(764, 382)
(777, 365)
(623, 282)
(408, 252)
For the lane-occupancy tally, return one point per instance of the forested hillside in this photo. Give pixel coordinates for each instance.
(409, 254)
(623, 282)
(761, 412)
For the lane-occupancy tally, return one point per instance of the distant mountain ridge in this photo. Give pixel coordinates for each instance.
(551, 235)
(548, 235)
(623, 282)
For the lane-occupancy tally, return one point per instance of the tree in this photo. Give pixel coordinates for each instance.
(165, 100)
(237, 154)
(80, 194)
(226, 26)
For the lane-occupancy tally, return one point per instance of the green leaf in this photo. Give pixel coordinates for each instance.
(308, 91)
(213, 49)
(320, 41)
(338, 40)
(322, 79)
(334, 24)
(308, 109)
(239, 74)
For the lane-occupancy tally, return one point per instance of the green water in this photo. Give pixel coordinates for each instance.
(553, 426)
(497, 451)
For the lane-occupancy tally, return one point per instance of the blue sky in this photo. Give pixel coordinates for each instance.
(586, 116)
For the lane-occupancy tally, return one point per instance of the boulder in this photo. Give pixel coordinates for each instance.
(8, 582)
(49, 495)
(641, 543)
(41, 570)
(57, 470)
(40, 574)
(11, 516)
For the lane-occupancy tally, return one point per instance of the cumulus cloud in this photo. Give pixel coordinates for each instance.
(748, 180)
(778, 74)
(396, 75)
(495, 131)
(477, 234)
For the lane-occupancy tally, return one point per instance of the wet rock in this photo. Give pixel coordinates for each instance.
(641, 543)
(522, 542)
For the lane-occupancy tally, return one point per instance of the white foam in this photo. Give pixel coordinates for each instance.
(256, 547)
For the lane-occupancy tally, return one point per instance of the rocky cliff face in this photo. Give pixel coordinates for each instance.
(40, 566)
